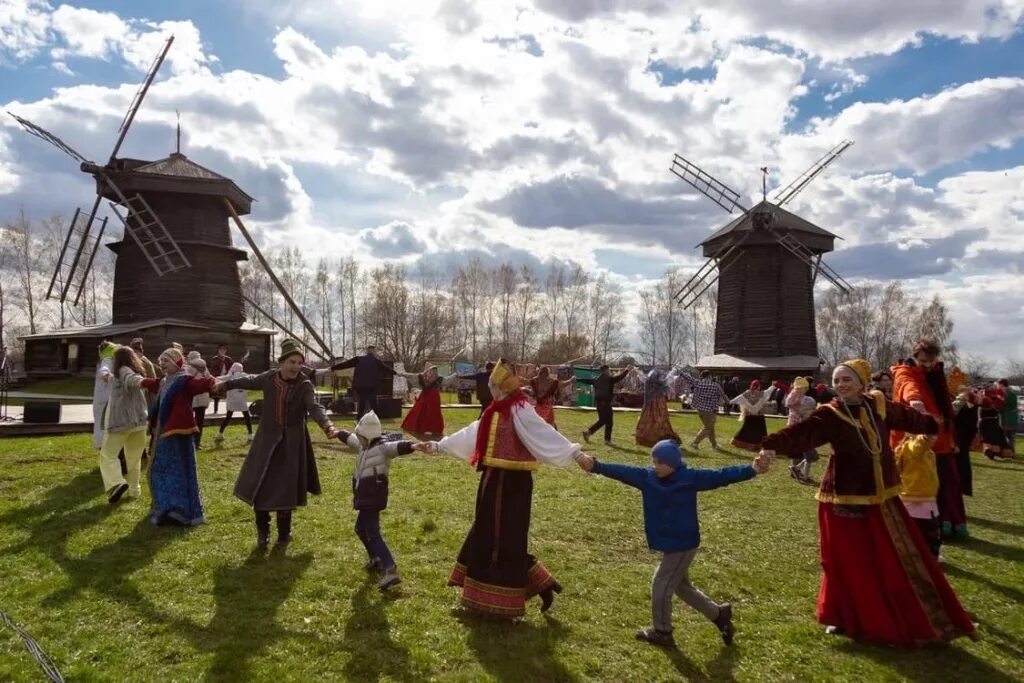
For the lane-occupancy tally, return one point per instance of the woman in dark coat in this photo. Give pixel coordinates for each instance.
(965, 425)
(280, 468)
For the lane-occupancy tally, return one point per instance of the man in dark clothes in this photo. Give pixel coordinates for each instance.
(369, 370)
(603, 388)
(731, 388)
(483, 389)
(219, 366)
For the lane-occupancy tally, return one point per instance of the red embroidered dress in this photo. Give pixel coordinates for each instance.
(496, 572)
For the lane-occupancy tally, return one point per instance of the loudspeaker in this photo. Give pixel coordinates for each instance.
(44, 412)
(390, 408)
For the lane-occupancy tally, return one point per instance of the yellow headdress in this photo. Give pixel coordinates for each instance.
(861, 368)
(504, 378)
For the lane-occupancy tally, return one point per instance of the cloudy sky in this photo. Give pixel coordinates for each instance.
(534, 130)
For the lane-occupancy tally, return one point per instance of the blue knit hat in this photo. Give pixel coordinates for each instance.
(668, 452)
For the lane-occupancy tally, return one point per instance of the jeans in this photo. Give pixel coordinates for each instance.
(368, 531)
(673, 578)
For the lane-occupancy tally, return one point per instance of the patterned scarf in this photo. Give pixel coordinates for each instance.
(503, 409)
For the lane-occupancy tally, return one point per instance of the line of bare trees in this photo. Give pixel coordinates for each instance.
(559, 314)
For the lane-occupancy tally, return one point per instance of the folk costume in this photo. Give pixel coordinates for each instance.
(425, 415)
(280, 468)
(653, 424)
(965, 426)
(910, 383)
(993, 438)
(880, 583)
(800, 407)
(370, 491)
(494, 569)
(752, 428)
(545, 390)
(173, 475)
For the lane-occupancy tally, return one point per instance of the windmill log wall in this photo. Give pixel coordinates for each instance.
(766, 305)
(209, 292)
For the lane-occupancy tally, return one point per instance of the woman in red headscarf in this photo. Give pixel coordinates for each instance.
(753, 428)
(880, 582)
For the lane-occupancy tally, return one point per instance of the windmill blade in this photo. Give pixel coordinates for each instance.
(140, 94)
(150, 234)
(273, 277)
(43, 134)
(707, 184)
(92, 256)
(796, 247)
(707, 275)
(791, 190)
(287, 331)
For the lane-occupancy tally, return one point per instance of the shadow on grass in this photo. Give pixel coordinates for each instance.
(932, 663)
(1014, 594)
(991, 549)
(517, 651)
(243, 625)
(1005, 527)
(719, 669)
(373, 655)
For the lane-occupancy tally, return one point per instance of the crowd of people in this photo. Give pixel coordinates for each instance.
(891, 490)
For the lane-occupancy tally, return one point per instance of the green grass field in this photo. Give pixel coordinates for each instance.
(111, 598)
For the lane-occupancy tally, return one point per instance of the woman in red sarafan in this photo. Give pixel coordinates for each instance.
(880, 583)
(545, 390)
(425, 418)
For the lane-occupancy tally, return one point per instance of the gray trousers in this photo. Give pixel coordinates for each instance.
(708, 429)
(673, 576)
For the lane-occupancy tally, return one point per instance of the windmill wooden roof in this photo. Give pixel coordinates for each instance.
(815, 238)
(175, 173)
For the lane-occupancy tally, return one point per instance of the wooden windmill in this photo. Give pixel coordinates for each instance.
(176, 274)
(766, 263)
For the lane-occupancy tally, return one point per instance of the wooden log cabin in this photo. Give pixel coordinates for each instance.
(200, 307)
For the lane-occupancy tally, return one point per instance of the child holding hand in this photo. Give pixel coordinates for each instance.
(370, 490)
(669, 489)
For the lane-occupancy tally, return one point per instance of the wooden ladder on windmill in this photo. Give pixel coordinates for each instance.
(150, 234)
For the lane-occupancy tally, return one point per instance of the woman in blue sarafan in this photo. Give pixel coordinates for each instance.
(173, 475)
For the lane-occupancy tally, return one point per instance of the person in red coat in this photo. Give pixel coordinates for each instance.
(880, 582)
(425, 418)
(920, 383)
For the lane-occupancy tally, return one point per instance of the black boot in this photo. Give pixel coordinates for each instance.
(262, 528)
(284, 527)
(547, 596)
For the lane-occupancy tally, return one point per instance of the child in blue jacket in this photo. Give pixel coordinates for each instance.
(669, 489)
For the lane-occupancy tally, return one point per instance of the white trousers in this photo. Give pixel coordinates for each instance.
(133, 443)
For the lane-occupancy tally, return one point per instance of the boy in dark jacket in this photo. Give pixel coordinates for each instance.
(669, 489)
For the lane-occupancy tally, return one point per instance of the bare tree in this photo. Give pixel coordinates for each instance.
(554, 289)
(325, 301)
(1013, 370)
(664, 327)
(526, 319)
(976, 367)
(574, 297)
(405, 322)
(26, 265)
(934, 322)
(507, 282)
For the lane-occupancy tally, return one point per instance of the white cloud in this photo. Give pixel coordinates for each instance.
(23, 28)
(454, 129)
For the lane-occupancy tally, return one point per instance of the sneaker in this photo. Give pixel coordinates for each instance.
(960, 532)
(198, 447)
(248, 439)
(219, 439)
(947, 529)
(116, 493)
(656, 637)
(835, 631)
(694, 445)
(940, 559)
(390, 578)
(262, 539)
(607, 442)
(794, 472)
(586, 436)
(372, 565)
(724, 623)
